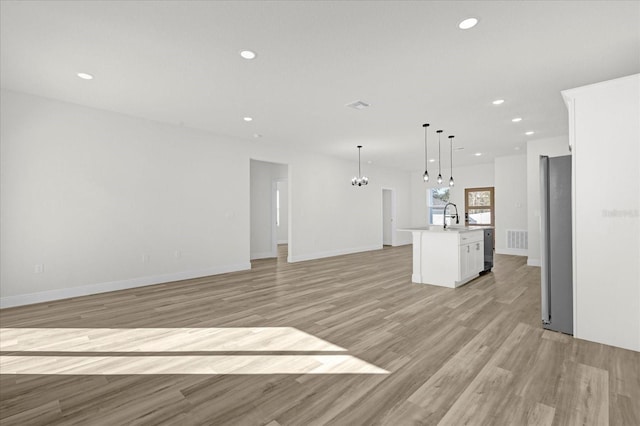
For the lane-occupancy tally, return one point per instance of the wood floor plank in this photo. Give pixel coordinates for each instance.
(477, 404)
(445, 386)
(590, 399)
(472, 355)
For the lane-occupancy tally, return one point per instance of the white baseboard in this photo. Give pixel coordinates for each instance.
(263, 255)
(85, 290)
(332, 253)
(533, 262)
(402, 244)
(513, 252)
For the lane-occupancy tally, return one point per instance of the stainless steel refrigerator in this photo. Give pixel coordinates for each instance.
(555, 243)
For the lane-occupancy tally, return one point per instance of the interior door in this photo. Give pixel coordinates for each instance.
(479, 207)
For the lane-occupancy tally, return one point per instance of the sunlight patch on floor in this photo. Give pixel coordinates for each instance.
(187, 364)
(161, 339)
(106, 351)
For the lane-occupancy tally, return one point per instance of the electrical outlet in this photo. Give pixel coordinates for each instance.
(39, 268)
(145, 258)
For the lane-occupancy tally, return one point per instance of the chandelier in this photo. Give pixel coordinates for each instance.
(359, 180)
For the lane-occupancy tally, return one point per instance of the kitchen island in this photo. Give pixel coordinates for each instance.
(448, 257)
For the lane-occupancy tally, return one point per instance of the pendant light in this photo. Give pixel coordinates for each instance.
(439, 179)
(425, 176)
(451, 178)
(359, 180)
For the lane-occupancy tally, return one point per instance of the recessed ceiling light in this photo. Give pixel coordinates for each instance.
(432, 160)
(529, 133)
(248, 54)
(478, 154)
(515, 120)
(468, 23)
(498, 101)
(248, 119)
(85, 76)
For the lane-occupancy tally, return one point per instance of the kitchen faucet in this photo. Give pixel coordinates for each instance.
(445, 214)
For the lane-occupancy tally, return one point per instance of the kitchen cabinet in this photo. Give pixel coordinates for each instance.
(471, 256)
(447, 257)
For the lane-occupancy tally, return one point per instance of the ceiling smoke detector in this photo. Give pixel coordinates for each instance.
(358, 105)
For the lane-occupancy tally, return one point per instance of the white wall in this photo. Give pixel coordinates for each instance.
(477, 176)
(552, 147)
(264, 176)
(331, 217)
(108, 201)
(510, 200)
(605, 133)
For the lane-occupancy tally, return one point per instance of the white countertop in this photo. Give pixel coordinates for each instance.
(452, 229)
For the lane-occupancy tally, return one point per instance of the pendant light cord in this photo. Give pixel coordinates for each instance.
(425, 145)
(451, 150)
(451, 183)
(439, 162)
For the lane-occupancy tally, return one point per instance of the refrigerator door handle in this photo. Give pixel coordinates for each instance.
(544, 240)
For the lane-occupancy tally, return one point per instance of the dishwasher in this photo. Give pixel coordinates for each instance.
(488, 250)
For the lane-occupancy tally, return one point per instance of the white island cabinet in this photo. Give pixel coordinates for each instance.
(447, 257)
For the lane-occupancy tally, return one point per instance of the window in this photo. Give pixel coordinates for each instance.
(479, 206)
(437, 198)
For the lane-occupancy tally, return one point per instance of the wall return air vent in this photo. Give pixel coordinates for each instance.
(517, 239)
(358, 105)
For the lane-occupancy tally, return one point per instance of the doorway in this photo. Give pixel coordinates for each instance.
(388, 216)
(479, 207)
(269, 207)
(281, 232)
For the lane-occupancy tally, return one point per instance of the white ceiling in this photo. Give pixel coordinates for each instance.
(178, 62)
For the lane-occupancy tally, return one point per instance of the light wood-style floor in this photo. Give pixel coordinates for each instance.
(352, 342)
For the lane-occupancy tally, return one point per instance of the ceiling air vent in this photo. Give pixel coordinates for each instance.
(358, 105)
